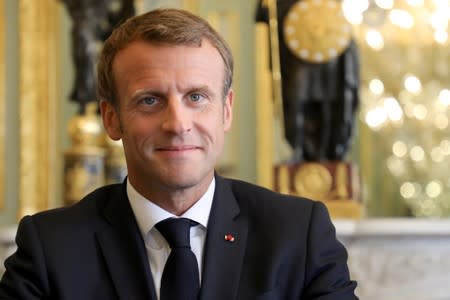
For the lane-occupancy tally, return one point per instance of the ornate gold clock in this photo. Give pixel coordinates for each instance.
(316, 30)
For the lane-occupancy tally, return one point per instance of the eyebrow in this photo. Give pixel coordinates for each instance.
(146, 91)
(204, 89)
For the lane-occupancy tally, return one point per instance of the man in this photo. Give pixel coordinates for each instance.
(165, 89)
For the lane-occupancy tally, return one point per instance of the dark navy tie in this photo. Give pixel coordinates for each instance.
(180, 278)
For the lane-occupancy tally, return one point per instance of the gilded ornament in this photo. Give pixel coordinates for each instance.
(313, 180)
(84, 162)
(38, 100)
(342, 182)
(316, 30)
(86, 129)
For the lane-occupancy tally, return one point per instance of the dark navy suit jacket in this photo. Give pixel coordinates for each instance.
(285, 248)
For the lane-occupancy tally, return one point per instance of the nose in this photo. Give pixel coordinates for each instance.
(177, 117)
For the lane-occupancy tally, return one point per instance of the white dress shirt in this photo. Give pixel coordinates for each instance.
(148, 214)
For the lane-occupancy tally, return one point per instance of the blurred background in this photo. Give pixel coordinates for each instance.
(402, 139)
(401, 143)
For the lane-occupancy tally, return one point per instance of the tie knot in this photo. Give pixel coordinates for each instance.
(176, 231)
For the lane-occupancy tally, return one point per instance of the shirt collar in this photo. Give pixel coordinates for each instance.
(148, 214)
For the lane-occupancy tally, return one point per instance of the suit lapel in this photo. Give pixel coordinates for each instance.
(223, 259)
(124, 250)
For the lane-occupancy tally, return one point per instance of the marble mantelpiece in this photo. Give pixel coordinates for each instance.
(396, 259)
(392, 259)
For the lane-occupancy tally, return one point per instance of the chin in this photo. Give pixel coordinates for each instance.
(181, 184)
(182, 180)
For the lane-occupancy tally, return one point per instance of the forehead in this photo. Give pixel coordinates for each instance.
(143, 54)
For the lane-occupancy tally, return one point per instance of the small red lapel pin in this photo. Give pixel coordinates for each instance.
(229, 238)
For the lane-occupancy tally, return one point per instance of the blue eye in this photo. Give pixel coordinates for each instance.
(195, 97)
(148, 100)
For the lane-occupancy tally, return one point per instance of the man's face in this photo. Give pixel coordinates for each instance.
(171, 114)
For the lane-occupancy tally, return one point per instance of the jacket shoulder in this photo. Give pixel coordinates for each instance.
(85, 210)
(252, 192)
(261, 202)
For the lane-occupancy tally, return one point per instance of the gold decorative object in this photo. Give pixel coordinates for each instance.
(313, 180)
(84, 161)
(271, 146)
(39, 110)
(326, 181)
(316, 30)
(335, 183)
(264, 112)
(86, 130)
(283, 148)
(341, 182)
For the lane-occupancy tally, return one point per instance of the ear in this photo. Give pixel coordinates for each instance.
(228, 110)
(111, 120)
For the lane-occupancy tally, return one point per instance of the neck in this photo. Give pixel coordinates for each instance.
(177, 203)
(176, 200)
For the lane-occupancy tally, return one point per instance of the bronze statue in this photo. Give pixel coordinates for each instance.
(93, 21)
(319, 99)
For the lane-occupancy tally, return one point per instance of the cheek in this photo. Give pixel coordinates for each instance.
(213, 122)
(217, 130)
(136, 127)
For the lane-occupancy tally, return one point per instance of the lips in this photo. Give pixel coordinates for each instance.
(178, 148)
(177, 152)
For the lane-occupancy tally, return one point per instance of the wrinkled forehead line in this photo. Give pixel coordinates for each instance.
(190, 44)
(203, 43)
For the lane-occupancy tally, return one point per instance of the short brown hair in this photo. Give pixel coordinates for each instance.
(161, 26)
